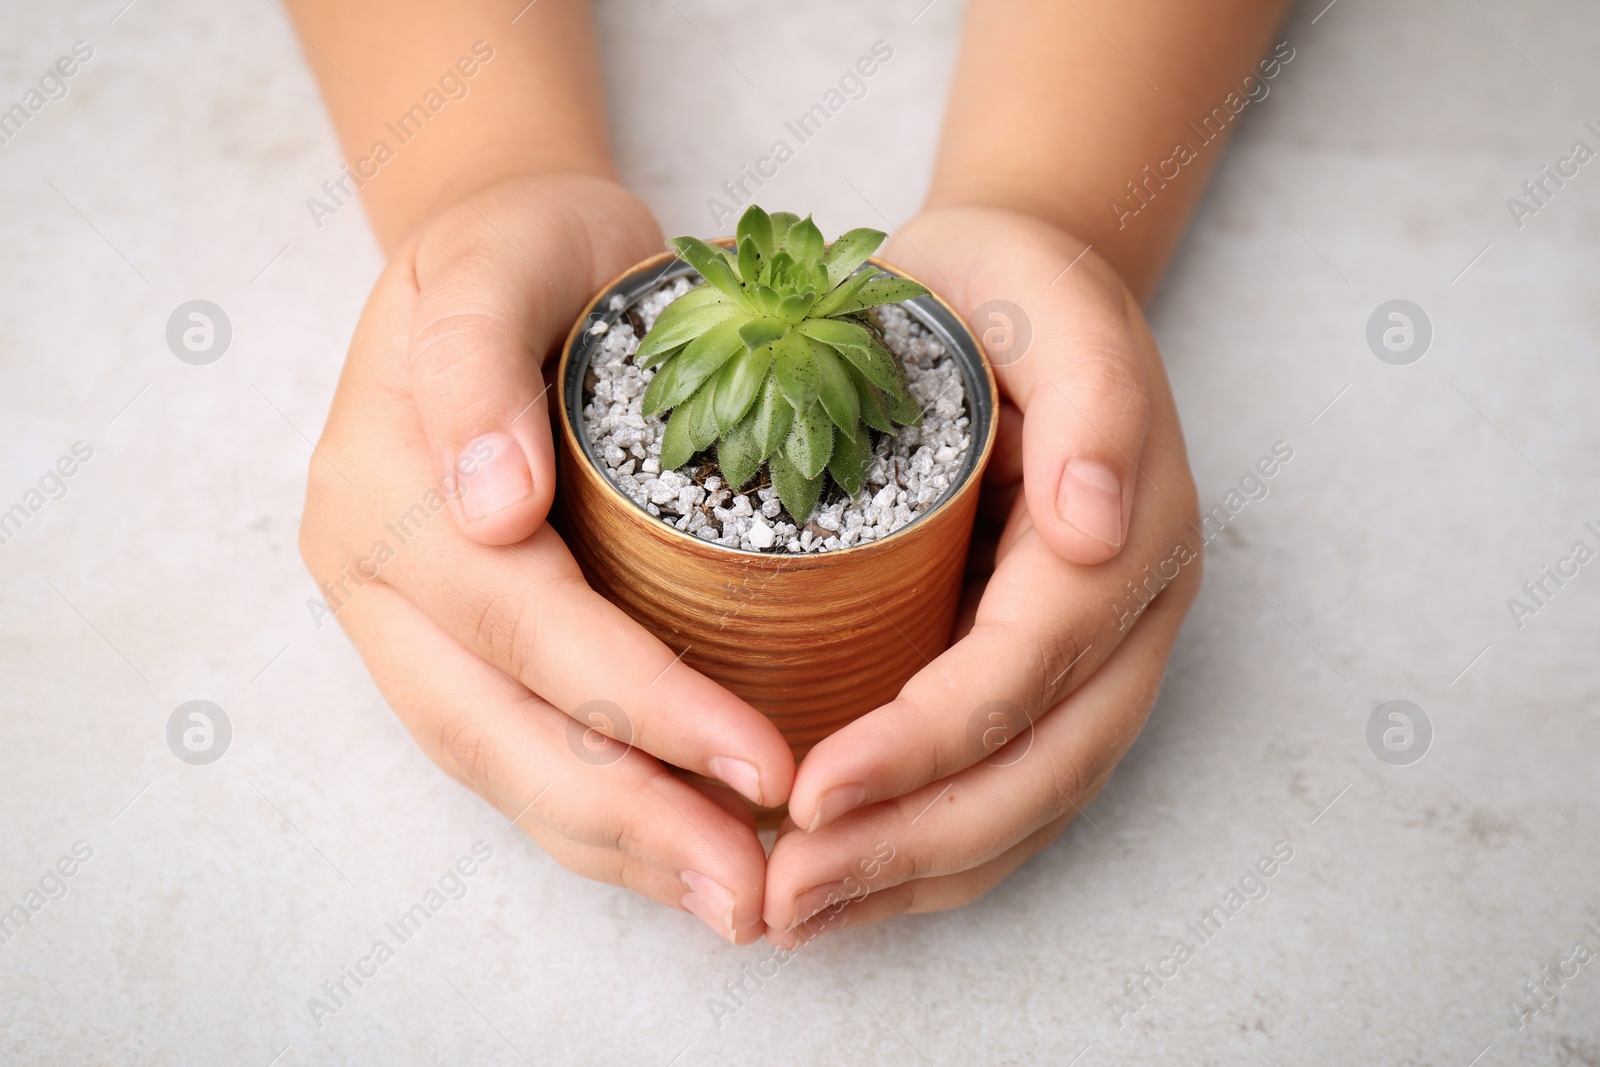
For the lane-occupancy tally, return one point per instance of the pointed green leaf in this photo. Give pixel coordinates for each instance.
(857, 344)
(738, 384)
(810, 441)
(841, 293)
(664, 390)
(738, 453)
(852, 455)
(655, 359)
(703, 428)
(750, 260)
(849, 251)
(759, 332)
(874, 405)
(804, 241)
(834, 387)
(672, 330)
(676, 447)
(765, 299)
(837, 332)
(797, 492)
(796, 370)
(697, 296)
(773, 415)
(756, 225)
(781, 264)
(713, 263)
(703, 358)
(904, 409)
(782, 222)
(794, 307)
(884, 290)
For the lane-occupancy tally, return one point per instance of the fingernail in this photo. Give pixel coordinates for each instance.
(1090, 499)
(749, 935)
(740, 774)
(835, 802)
(492, 474)
(709, 901)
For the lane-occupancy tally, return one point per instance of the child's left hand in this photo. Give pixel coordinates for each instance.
(907, 808)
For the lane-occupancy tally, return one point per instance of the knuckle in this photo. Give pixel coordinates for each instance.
(472, 752)
(634, 874)
(621, 838)
(1070, 779)
(505, 626)
(927, 760)
(447, 345)
(914, 864)
(1110, 381)
(1058, 650)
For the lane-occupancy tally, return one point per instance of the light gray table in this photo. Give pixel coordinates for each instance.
(1419, 499)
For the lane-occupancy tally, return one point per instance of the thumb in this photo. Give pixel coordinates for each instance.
(1088, 408)
(483, 323)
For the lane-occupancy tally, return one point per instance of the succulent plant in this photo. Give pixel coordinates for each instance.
(773, 361)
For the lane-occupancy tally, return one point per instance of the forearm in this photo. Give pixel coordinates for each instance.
(1059, 106)
(413, 122)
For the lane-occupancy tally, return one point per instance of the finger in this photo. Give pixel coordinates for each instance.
(1084, 376)
(976, 815)
(524, 608)
(1042, 626)
(920, 895)
(528, 610)
(1083, 438)
(613, 814)
(724, 798)
(1084, 386)
(497, 290)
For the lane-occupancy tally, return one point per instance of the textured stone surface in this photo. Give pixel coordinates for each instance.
(219, 898)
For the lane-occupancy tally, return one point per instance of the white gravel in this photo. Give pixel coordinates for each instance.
(910, 473)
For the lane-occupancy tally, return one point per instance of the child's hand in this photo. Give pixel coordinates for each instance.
(899, 806)
(495, 657)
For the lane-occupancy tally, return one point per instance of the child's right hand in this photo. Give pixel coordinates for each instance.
(477, 625)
